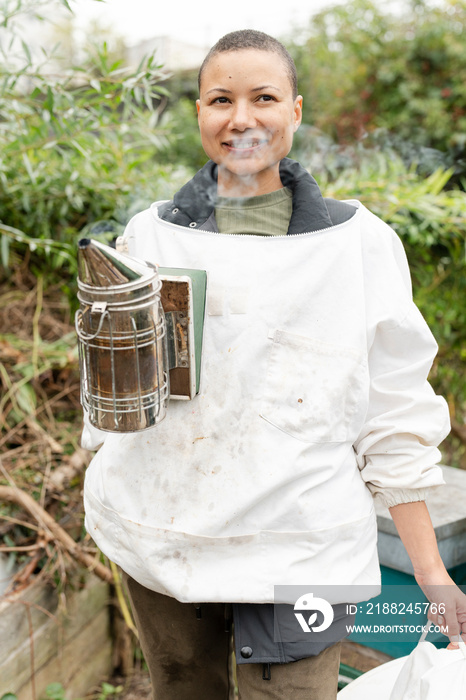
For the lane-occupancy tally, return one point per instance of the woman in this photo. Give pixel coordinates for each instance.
(314, 400)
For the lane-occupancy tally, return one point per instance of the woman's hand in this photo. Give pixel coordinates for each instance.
(448, 603)
(448, 609)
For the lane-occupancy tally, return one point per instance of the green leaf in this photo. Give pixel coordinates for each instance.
(49, 101)
(5, 252)
(26, 51)
(66, 4)
(55, 691)
(26, 399)
(109, 690)
(29, 169)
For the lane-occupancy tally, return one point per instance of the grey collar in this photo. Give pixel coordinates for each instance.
(194, 204)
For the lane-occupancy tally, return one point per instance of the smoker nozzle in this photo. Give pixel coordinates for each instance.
(100, 265)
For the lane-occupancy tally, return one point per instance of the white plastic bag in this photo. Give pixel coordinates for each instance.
(427, 673)
(374, 685)
(432, 674)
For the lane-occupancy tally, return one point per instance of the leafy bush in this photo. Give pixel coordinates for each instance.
(76, 146)
(362, 68)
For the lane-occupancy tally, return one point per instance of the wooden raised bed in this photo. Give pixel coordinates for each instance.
(43, 642)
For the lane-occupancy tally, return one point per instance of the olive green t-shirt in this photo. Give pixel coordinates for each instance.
(264, 215)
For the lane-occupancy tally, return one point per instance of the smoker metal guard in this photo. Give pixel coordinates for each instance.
(107, 353)
(122, 344)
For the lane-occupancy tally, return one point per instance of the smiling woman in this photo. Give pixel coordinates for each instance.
(247, 119)
(314, 397)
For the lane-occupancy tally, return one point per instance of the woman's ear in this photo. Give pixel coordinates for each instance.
(298, 111)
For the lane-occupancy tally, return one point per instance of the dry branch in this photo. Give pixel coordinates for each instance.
(70, 468)
(24, 500)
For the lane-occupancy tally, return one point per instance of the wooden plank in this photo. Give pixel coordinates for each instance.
(83, 607)
(39, 596)
(96, 668)
(82, 662)
(14, 624)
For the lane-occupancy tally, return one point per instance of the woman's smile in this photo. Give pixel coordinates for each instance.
(244, 147)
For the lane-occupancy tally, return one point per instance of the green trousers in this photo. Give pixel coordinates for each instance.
(192, 659)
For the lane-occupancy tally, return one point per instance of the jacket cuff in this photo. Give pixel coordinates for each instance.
(393, 497)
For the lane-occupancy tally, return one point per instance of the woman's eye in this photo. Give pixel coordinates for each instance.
(220, 100)
(266, 98)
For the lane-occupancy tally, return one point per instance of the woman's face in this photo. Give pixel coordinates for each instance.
(247, 118)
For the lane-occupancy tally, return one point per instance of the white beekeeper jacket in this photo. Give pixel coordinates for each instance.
(313, 397)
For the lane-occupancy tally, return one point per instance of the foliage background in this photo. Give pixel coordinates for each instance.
(363, 69)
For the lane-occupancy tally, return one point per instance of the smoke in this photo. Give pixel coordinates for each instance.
(321, 155)
(248, 186)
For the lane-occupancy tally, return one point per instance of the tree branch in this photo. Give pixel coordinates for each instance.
(24, 500)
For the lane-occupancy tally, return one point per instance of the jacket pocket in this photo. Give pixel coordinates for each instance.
(314, 389)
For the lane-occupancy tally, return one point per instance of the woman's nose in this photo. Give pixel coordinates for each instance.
(242, 116)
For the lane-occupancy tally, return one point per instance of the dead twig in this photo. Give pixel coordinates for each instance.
(25, 548)
(70, 468)
(65, 392)
(40, 432)
(16, 521)
(20, 580)
(31, 653)
(15, 495)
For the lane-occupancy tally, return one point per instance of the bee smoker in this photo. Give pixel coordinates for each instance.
(121, 332)
(139, 336)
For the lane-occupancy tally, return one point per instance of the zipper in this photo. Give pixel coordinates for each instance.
(249, 235)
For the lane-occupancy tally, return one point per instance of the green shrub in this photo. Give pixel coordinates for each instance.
(362, 67)
(76, 146)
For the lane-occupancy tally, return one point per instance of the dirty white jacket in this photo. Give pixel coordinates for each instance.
(313, 398)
